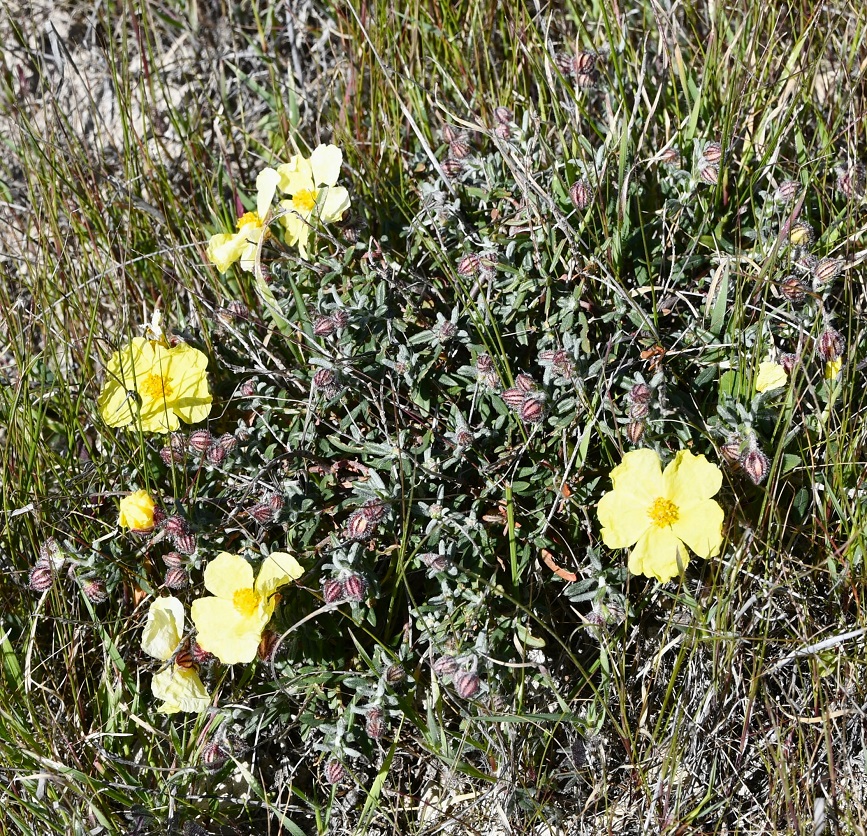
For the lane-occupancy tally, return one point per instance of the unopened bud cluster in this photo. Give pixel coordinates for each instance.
(200, 444)
(525, 399)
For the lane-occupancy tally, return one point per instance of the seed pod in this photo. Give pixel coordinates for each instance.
(708, 173)
(635, 431)
(228, 442)
(94, 590)
(267, 645)
(450, 133)
(503, 115)
(261, 512)
(787, 191)
(713, 153)
(323, 326)
(355, 588)
(532, 409)
(185, 543)
(374, 510)
(445, 666)
(514, 398)
(755, 464)
(468, 265)
(395, 674)
(340, 319)
(177, 578)
(525, 383)
(801, 234)
(793, 289)
(358, 527)
(334, 771)
(41, 577)
(452, 167)
(199, 441)
(830, 345)
(333, 591)
(214, 756)
(581, 194)
(466, 684)
(374, 723)
(435, 561)
(827, 270)
(670, 157)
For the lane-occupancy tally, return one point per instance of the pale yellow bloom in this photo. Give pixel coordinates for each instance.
(224, 249)
(157, 385)
(833, 368)
(137, 512)
(662, 513)
(179, 688)
(314, 194)
(770, 376)
(230, 624)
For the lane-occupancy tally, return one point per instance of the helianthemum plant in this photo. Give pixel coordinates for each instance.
(660, 514)
(178, 687)
(157, 386)
(230, 624)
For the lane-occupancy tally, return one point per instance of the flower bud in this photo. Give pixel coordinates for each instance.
(514, 398)
(581, 194)
(358, 527)
(525, 383)
(755, 464)
(174, 525)
(713, 153)
(466, 684)
(173, 559)
(445, 666)
(374, 723)
(788, 362)
(355, 588)
(670, 157)
(216, 453)
(334, 771)
(484, 363)
(261, 512)
(267, 645)
(326, 381)
(228, 442)
(851, 181)
(468, 265)
(787, 191)
(452, 167)
(199, 441)
(324, 326)
(801, 234)
(827, 270)
(94, 590)
(333, 591)
(464, 436)
(277, 502)
(635, 431)
(177, 578)
(340, 319)
(793, 289)
(639, 410)
(185, 543)
(532, 409)
(450, 133)
(41, 577)
(247, 389)
(502, 130)
(137, 512)
(460, 148)
(503, 115)
(374, 510)
(170, 457)
(435, 561)
(731, 452)
(708, 173)
(395, 674)
(830, 345)
(214, 757)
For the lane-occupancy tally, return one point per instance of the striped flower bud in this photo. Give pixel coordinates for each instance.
(581, 194)
(199, 441)
(175, 525)
(788, 362)
(177, 578)
(460, 148)
(468, 265)
(445, 666)
(525, 383)
(333, 591)
(755, 464)
(670, 157)
(173, 559)
(514, 398)
(323, 326)
(708, 173)
(325, 380)
(185, 543)
(434, 560)
(466, 684)
(827, 270)
(450, 133)
(214, 757)
(216, 453)
(532, 409)
(41, 576)
(340, 318)
(787, 191)
(452, 167)
(713, 153)
(277, 502)
(793, 289)
(94, 590)
(335, 772)
(503, 115)
(355, 588)
(374, 510)
(830, 345)
(395, 674)
(261, 512)
(635, 431)
(358, 527)
(374, 723)
(801, 234)
(228, 442)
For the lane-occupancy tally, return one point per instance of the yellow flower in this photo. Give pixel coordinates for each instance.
(156, 385)
(230, 625)
(833, 368)
(137, 512)
(659, 513)
(302, 179)
(179, 688)
(224, 248)
(771, 376)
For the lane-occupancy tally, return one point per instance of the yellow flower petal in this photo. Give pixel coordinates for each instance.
(296, 175)
(164, 628)
(118, 401)
(225, 632)
(640, 473)
(656, 555)
(700, 527)
(770, 376)
(224, 249)
(689, 480)
(266, 187)
(226, 574)
(278, 569)
(180, 689)
(326, 161)
(137, 512)
(833, 368)
(624, 519)
(191, 397)
(335, 204)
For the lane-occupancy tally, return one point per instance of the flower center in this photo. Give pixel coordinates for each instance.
(249, 218)
(305, 200)
(246, 601)
(663, 512)
(155, 387)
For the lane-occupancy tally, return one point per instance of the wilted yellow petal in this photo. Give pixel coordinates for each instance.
(770, 376)
(164, 628)
(181, 689)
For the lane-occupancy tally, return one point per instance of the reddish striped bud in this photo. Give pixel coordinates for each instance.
(199, 441)
(324, 326)
(185, 543)
(532, 409)
(333, 591)
(469, 265)
(334, 771)
(374, 723)
(41, 577)
(513, 398)
(445, 666)
(355, 588)
(374, 510)
(358, 527)
(94, 590)
(177, 578)
(466, 684)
